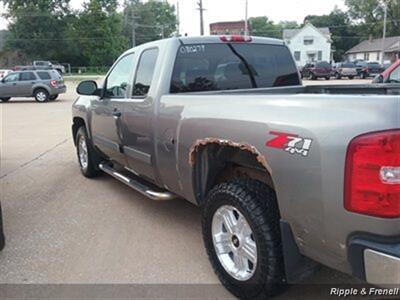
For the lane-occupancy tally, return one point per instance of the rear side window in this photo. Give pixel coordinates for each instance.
(44, 75)
(144, 74)
(211, 67)
(27, 76)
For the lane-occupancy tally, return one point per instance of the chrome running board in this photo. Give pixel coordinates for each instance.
(153, 193)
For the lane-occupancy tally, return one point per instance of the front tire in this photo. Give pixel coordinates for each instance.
(87, 157)
(5, 99)
(240, 223)
(41, 95)
(2, 238)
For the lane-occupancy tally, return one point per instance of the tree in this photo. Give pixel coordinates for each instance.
(98, 33)
(153, 20)
(37, 27)
(344, 33)
(369, 15)
(262, 26)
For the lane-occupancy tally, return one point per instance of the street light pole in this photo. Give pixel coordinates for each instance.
(384, 31)
(201, 9)
(246, 22)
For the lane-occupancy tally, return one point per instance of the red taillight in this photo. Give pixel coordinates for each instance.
(372, 176)
(53, 83)
(235, 38)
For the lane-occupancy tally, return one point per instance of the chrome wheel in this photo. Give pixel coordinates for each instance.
(234, 243)
(83, 152)
(41, 96)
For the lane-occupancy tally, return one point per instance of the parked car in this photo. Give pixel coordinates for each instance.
(345, 69)
(390, 75)
(2, 238)
(59, 67)
(285, 175)
(368, 69)
(317, 70)
(42, 65)
(44, 85)
(4, 72)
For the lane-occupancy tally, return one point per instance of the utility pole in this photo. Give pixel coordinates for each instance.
(246, 22)
(178, 18)
(201, 9)
(133, 25)
(385, 9)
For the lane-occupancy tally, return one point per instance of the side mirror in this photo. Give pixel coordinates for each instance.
(378, 79)
(88, 88)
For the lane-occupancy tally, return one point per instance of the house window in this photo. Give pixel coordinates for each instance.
(366, 56)
(308, 41)
(297, 55)
(378, 56)
(320, 55)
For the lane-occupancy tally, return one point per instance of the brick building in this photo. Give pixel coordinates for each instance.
(235, 27)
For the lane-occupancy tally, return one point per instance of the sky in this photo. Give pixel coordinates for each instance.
(232, 10)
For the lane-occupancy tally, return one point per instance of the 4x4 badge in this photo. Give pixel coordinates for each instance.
(291, 143)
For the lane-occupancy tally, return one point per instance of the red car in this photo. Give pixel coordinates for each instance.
(390, 75)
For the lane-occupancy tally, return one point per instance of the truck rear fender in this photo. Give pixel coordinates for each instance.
(215, 160)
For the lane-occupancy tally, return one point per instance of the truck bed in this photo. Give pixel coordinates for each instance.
(350, 89)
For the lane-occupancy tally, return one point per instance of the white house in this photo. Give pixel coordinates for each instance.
(309, 44)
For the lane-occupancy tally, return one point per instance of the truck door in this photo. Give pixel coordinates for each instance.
(138, 117)
(107, 110)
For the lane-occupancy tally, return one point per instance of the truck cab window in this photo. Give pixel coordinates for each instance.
(212, 67)
(144, 74)
(395, 76)
(118, 80)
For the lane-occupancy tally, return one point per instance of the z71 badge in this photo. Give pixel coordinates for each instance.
(291, 143)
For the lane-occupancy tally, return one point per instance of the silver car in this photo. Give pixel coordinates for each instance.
(43, 85)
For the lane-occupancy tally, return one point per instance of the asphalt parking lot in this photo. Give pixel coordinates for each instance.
(64, 228)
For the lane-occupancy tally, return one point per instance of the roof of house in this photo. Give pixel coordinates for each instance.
(290, 33)
(391, 44)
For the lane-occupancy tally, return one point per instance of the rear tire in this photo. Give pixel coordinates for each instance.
(41, 95)
(87, 157)
(6, 99)
(328, 78)
(351, 77)
(255, 203)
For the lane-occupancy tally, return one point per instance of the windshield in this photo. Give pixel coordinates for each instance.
(211, 67)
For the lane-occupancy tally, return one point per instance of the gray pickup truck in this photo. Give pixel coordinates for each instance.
(286, 176)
